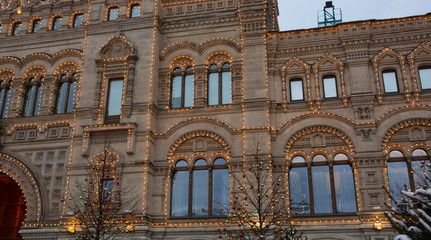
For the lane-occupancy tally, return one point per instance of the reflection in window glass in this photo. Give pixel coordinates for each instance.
(419, 153)
(330, 87)
(115, 97)
(200, 162)
(321, 189)
(344, 188)
(77, 20)
(180, 194)
(200, 193)
(221, 191)
(390, 81)
(188, 91)
(341, 157)
(135, 11)
(298, 181)
(108, 188)
(36, 25)
(176, 92)
(418, 167)
(113, 13)
(16, 28)
(57, 23)
(296, 92)
(396, 154)
(425, 77)
(398, 178)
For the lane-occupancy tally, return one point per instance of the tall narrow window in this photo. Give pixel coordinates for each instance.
(36, 25)
(33, 97)
(205, 192)
(332, 186)
(296, 90)
(66, 96)
(425, 77)
(115, 99)
(16, 28)
(5, 99)
(77, 20)
(182, 88)
(329, 87)
(112, 13)
(390, 82)
(135, 10)
(219, 85)
(56, 23)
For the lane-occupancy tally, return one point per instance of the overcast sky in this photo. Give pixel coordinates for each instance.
(302, 14)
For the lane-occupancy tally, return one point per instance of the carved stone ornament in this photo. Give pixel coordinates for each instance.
(117, 47)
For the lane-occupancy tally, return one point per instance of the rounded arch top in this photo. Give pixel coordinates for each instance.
(118, 47)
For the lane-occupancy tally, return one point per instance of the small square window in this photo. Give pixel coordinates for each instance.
(53, 132)
(425, 77)
(36, 25)
(113, 13)
(135, 11)
(330, 87)
(64, 132)
(16, 28)
(56, 23)
(20, 135)
(32, 134)
(390, 81)
(77, 20)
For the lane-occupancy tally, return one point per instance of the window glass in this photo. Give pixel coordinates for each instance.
(16, 28)
(39, 98)
(108, 188)
(2, 100)
(390, 81)
(181, 163)
(395, 154)
(220, 161)
(180, 194)
(299, 193)
(7, 103)
(418, 176)
(36, 25)
(321, 189)
(330, 87)
(113, 13)
(419, 153)
(425, 77)
(226, 88)
(57, 23)
(115, 97)
(221, 183)
(213, 89)
(298, 159)
(176, 92)
(135, 11)
(77, 20)
(200, 193)
(344, 188)
(398, 178)
(296, 91)
(72, 97)
(200, 162)
(319, 158)
(62, 97)
(341, 157)
(30, 100)
(188, 91)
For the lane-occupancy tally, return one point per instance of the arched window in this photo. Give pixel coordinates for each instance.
(320, 187)
(390, 82)
(33, 97)
(182, 88)
(5, 98)
(66, 95)
(202, 190)
(399, 168)
(219, 84)
(330, 86)
(425, 77)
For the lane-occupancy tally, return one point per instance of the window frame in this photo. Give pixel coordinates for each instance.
(329, 76)
(54, 22)
(132, 6)
(330, 163)
(113, 118)
(183, 73)
(33, 26)
(110, 9)
(15, 27)
(210, 167)
(302, 89)
(220, 70)
(396, 81)
(75, 16)
(426, 67)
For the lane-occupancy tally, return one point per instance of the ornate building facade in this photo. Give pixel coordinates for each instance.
(181, 86)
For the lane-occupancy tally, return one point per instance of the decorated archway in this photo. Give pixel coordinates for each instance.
(12, 208)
